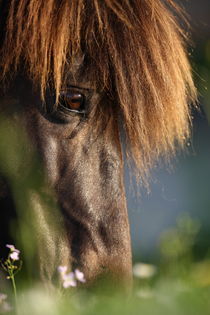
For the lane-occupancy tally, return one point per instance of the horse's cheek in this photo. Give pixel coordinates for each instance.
(86, 173)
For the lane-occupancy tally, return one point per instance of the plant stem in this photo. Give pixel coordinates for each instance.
(11, 275)
(14, 288)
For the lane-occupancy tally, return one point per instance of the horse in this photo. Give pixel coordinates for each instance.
(83, 72)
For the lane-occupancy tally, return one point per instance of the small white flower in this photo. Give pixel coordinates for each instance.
(14, 255)
(14, 252)
(141, 270)
(62, 270)
(12, 248)
(69, 280)
(4, 305)
(79, 275)
(3, 297)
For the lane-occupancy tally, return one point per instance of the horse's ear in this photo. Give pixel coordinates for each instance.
(135, 49)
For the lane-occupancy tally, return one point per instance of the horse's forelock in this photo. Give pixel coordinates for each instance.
(134, 50)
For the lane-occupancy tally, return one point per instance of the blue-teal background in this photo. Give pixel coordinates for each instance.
(185, 188)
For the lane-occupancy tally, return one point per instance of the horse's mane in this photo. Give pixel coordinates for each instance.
(134, 49)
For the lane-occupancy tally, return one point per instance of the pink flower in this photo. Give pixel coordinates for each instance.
(79, 275)
(14, 252)
(14, 255)
(13, 249)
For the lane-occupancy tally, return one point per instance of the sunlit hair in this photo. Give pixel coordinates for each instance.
(134, 50)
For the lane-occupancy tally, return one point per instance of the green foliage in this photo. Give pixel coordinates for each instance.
(178, 285)
(176, 246)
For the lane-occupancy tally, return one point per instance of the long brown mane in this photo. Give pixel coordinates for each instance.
(134, 50)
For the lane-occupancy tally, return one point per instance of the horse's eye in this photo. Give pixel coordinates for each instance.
(72, 101)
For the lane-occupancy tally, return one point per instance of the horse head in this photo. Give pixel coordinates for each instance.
(80, 70)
